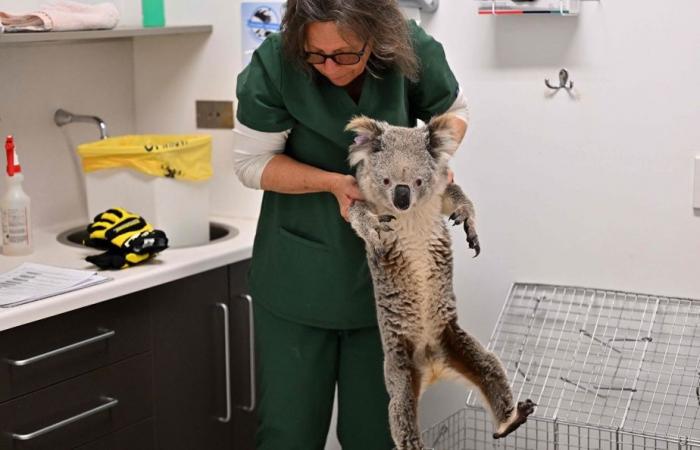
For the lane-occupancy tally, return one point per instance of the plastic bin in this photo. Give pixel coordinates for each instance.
(164, 178)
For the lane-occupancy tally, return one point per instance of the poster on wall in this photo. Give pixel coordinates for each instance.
(258, 21)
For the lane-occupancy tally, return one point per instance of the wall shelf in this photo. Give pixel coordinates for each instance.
(522, 7)
(116, 33)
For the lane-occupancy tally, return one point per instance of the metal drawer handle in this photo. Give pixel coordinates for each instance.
(111, 403)
(227, 338)
(251, 331)
(105, 334)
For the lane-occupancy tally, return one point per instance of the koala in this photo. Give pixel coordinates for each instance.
(402, 173)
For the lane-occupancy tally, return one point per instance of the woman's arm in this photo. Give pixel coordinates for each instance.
(260, 164)
(288, 176)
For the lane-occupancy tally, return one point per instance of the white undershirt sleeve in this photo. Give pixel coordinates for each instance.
(252, 150)
(460, 108)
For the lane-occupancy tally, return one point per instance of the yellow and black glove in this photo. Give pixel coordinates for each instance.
(111, 224)
(127, 237)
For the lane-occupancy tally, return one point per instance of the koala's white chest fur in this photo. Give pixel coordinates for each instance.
(415, 297)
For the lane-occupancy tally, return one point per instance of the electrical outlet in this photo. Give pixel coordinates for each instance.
(696, 190)
(214, 114)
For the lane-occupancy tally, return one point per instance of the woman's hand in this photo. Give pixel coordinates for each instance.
(346, 191)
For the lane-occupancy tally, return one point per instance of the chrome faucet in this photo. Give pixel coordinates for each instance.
(62, 117)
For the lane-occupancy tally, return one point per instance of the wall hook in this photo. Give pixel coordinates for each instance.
(563, 79)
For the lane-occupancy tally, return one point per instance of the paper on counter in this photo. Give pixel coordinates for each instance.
(30, 282)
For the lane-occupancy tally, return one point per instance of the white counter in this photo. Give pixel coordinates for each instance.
(171, 264)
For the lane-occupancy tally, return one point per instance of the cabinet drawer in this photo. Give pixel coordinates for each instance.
(79, 410)
(133, 437)
(41, 353)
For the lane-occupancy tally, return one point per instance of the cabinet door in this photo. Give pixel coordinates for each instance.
(48, 351)
(190, 389)
(134, 437)
(244, 420)
(79, 410)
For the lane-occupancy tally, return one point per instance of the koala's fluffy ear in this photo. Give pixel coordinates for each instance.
(367, 131)
(441, 141)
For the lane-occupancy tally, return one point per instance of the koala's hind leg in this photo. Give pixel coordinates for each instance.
(460, 209)
(467, 356)
(403, 385)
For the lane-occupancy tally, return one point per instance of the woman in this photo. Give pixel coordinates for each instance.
(314, 313)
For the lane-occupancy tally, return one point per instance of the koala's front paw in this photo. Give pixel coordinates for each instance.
(381, 232)
(461, 215)
(375, 230)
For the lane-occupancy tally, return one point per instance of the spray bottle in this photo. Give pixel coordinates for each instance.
(14, 206)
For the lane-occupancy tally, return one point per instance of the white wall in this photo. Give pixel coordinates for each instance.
(173, 72)
(35, 80)
(98, 78)
(95, 78)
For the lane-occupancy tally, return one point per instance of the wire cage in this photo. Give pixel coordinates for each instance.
(607, 369)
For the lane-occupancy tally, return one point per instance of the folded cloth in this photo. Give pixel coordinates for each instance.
(62, 15)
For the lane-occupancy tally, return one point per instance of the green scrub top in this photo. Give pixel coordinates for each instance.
(308, 264)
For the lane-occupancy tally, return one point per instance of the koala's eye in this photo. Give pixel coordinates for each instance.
(419, 182)
(386, 182)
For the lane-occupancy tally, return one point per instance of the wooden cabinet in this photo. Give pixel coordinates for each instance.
(54, 349)
(134, 437)
(81, 409)
(190, 383)
(242, 359)
(201, 353)
(165, 368)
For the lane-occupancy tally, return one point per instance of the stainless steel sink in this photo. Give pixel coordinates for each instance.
(217, 232)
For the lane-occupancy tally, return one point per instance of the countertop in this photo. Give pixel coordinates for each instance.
(169, 265)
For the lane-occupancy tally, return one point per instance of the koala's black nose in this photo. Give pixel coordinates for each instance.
(402, 196)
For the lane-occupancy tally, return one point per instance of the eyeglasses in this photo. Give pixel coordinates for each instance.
(343, 59)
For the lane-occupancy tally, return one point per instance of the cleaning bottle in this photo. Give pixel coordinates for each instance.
(14, 206)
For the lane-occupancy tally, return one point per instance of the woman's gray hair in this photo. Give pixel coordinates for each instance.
(379, 22)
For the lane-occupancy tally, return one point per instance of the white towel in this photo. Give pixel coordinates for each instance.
(62, 15)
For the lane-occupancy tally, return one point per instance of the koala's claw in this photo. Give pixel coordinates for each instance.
(473, 241)
(474, 245)
(383, 227)
(383, 230)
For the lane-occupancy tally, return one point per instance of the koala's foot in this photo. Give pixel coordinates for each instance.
(518, 418)
(461, 215)
(413, 444)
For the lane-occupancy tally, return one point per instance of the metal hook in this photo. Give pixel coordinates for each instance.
(563, 79)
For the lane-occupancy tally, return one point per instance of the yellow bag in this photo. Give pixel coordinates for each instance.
(185, 157)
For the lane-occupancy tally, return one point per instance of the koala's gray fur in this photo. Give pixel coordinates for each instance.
(402, 172)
